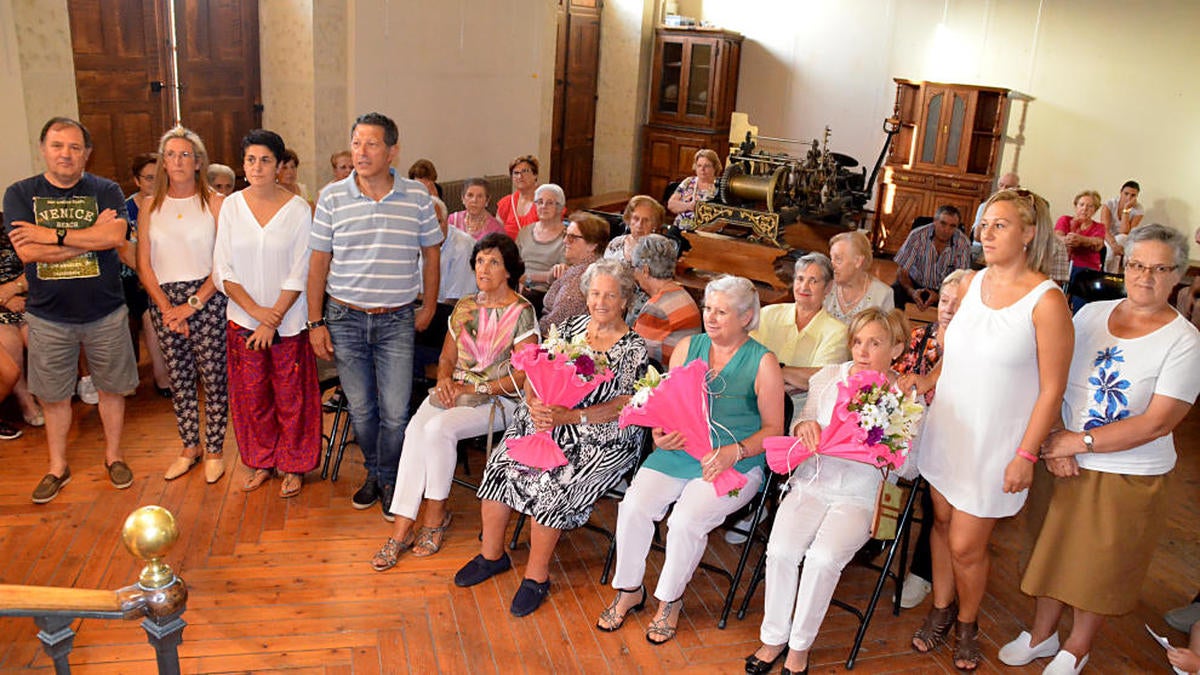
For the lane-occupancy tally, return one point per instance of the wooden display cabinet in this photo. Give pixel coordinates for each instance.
(692, 94)
(946, 151)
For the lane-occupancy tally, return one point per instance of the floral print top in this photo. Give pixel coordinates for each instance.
(486, 335)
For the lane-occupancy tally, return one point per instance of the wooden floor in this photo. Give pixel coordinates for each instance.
(285, 585)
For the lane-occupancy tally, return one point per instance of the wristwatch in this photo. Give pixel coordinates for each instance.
(309, 325)
(482, 388)
(194, 302)
(1088, 441)
(62, 234)
(583, 417)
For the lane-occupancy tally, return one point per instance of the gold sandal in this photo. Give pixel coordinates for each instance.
(610, 620)
(429, 539)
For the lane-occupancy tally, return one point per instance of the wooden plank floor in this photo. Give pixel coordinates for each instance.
(286, 585)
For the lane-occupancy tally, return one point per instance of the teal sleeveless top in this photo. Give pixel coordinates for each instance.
(732, 403)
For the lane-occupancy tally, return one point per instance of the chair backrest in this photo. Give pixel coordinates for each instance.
(1093, 285)
(668, 191)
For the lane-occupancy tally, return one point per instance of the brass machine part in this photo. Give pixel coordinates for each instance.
(740, 186)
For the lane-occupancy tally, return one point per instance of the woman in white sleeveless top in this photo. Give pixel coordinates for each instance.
(177, 231)
(1000, 387)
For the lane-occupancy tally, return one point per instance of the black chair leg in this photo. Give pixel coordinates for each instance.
(515, 542)
(341, 449)
(608, 561)
(756, 577)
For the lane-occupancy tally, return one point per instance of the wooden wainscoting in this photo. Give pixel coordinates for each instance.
(285, 585)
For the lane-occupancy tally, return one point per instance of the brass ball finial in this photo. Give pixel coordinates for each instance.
(148, 534)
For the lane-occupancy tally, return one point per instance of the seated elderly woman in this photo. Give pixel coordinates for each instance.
(598, 453)
(542, 242)
(474, 219)
(802, 334)
(222, 179)
(669, 314)
(476, 393)
(826, 516)
(854, 287)
(746, 401)
(644, 215)
(1134, 376)
(695, 189)
(583, 242)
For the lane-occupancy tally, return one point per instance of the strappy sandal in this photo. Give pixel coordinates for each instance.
(429, 539)
(661, 631)
(936, 628)
(966, 648)
(256, 479)
(387, 556)
(610, 620)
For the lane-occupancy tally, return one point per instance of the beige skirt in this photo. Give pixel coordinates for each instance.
(1096, 541)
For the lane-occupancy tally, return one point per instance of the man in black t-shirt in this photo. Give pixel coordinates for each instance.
(66, 226)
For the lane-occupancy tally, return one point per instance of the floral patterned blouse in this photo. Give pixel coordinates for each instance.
(686, 190)
(923, 353)
(486, 335)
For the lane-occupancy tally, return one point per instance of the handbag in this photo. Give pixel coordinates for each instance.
(887, 511)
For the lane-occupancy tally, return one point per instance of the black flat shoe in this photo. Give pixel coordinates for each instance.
(529, 597)
(480, 569)
(757, 666)
(795, 672)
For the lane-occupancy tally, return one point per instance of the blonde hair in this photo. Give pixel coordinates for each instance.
(1088, 193)
(710, 155)
(952, 279)
(859, 241)
(657, 212)
(1034, 212)
(203, 189)
(892, 320)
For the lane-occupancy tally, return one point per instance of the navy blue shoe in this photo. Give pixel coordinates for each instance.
(481, 569)
(529, 597)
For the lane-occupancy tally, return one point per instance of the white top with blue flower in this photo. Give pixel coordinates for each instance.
(1114, 378)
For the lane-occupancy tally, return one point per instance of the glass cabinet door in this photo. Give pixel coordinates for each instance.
(933, 125)
(672, 74)
(699, 79)
(954, 137)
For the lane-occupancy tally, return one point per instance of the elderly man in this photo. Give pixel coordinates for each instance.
(66, 226)
(375, 244)
(1009, 181)
(929, 254)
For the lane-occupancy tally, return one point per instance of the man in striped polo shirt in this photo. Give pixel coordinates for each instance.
(375, 239)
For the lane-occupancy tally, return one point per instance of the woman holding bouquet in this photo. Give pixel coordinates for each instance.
(826, 515)
(597, 452)
(745, 389)
(1013, 333)
(475, 394)
(1134, 377)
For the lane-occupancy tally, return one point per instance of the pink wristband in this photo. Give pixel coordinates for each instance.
(1025, 454)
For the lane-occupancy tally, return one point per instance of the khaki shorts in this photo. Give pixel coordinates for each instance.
(54, 355)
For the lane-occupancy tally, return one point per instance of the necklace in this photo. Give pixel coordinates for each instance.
(846, 306)
(474, 225)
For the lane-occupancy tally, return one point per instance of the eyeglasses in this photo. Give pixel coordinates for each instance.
(171, 154)
(522, 172)
(1157, 270)
(545, 202)
(1031, 198)
(571, 236)
(146, 177)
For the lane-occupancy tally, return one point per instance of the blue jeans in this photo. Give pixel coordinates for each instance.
(374, 354)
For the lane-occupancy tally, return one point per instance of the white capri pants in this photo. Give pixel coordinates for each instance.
(431, 450)
(697, 511)
(824, 533)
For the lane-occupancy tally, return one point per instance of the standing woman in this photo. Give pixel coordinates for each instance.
(1013, 334)
(516, 210)
(261, 263)
(179, 224)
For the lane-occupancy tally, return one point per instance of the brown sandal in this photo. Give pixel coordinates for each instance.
(429, 539)
(936, 628)
(387, 556)
(256, 479)
(966, 648)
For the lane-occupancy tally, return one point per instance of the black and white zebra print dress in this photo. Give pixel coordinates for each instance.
(598, 455)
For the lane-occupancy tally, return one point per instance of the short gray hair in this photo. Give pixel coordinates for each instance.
(657, 254)
(1167, 235)
(617, 269)
(820, 260)
(215, 169)
(741, 293)
(553, 189)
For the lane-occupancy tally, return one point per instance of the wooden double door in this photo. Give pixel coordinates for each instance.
(576, 72)
(132, 86)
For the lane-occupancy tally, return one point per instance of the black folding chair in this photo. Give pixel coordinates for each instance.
(897, 546)
(339, 433)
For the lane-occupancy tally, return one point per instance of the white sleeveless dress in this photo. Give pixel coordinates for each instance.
(985, 397)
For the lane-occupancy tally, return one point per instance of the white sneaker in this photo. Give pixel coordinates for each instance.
(87, 391)
(914, 591)
(1020, 652)
(736, 538)
(1065, 664)
(1182, 618)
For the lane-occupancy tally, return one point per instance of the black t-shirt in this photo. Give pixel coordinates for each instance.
(83, 289)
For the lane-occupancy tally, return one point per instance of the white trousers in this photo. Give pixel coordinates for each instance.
(431, 450)
(824, 534)
(697, 511)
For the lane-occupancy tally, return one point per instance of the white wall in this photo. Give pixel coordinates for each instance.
(808, 63)
(16, 161)
(469, 83)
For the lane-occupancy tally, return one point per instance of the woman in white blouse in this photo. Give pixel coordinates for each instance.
(261, 263)
(854, 287)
